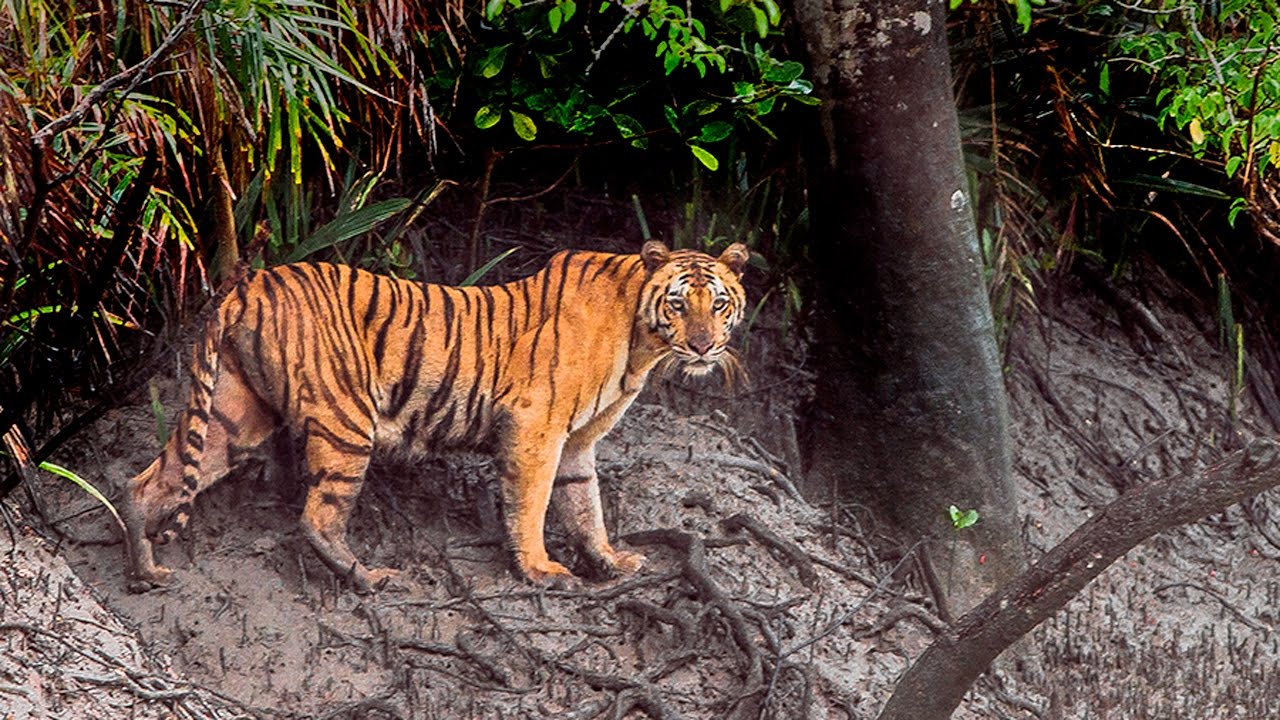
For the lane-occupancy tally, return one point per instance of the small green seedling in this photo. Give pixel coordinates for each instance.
(961, 519)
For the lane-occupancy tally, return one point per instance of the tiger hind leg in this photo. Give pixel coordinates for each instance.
(205, 447)
(335, 467)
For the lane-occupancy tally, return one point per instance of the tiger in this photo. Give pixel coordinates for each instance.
(345, 363)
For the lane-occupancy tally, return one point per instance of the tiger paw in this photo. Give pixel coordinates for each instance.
(625, 562)
(148, 579)
(375, 580)
(550, 573)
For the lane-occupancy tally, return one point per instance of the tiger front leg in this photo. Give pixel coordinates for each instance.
(577, 502)
(528, 471)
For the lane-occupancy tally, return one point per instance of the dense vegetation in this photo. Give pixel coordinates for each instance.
(150, 149)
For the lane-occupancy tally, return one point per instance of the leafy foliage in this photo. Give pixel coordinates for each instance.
(177, 139)
(1217, 81)
(581, 72)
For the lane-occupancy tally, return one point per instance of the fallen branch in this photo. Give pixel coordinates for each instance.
(120, 681)
(935, 684)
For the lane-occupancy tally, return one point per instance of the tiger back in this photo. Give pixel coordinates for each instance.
(341, 363)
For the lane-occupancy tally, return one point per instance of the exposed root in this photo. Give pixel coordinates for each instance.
(799, 558)
(694, 565)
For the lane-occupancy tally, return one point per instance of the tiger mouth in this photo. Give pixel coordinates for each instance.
(698, 364)
(699, 367)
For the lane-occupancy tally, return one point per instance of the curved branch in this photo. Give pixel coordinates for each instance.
(935, 684)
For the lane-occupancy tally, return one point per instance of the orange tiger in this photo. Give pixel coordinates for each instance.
(348, 363)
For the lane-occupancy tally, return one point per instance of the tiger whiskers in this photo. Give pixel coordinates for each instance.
(665, 367)
(735, 375)
(732, 372)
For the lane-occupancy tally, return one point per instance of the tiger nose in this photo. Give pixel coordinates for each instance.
(700, 344)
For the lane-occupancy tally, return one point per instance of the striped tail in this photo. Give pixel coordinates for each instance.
(194, 425)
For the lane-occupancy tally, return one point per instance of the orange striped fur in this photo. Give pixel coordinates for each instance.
(337, 364)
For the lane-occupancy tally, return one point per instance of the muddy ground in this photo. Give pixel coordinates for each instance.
(750, 606)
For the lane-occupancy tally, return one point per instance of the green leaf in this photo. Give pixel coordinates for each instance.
(799, 87)
(493, 61)
(762, 22)
(524, 126)
(346, 226)
(1104, 79)
(715, 131)
(670, 63)
(1156, 182)
(628, 127)
(771, 8)
(672, 119)
(554, 16)
(705, 157)
(84, 485)
(484, 269)
(1233, 164)
(1024, 14)
(493, 8)
(157, 412)
(700, 107)
(487, 116)
(568, 8)
(248, 202)
(961, 519)
(1237, 206)
(784, 72)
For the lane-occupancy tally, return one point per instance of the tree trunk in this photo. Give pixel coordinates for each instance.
(937, 682)
(911, 415)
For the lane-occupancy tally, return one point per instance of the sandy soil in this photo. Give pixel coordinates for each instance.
(1181, 627)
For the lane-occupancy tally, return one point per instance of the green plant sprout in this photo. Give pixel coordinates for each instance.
(961, 519)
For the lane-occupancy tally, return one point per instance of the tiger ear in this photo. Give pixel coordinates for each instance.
(735, 257)
(654, 254)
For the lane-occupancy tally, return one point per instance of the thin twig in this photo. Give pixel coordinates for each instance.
(1240, 615)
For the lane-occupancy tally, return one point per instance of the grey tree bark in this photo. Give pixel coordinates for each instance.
(911, 414)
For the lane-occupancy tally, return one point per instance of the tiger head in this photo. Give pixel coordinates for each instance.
(692, 301)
